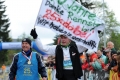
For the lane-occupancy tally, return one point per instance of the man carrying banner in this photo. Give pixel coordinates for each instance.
(26, 64)
(68, 66)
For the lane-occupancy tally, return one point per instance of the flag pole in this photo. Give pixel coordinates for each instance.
(104, 29)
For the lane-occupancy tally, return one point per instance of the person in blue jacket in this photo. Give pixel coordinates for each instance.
(27, 65)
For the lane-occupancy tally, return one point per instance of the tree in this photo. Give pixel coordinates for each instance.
(111, 23)
(55, 40)
(4, 32)
(115, 38)
(86, 3)
(108, 16)
(24, 36)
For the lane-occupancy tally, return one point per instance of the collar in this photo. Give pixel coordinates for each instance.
(66, 46)
(27, 53)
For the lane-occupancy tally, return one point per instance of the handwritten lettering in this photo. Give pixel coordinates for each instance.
(74, 9)
(42, 21)
(57, 28)
(67, 24)
(77, 9)
(82, 21)
(61, 30)
(72, 19)
(90, 43)
(61, 1)
(56, 8)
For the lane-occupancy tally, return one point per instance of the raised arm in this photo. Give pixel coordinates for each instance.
(49, 49)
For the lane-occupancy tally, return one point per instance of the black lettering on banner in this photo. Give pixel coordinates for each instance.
(57, 28)
(61, 30)
(91, 43)
(56, 8)
(42, 21)
(69, 34)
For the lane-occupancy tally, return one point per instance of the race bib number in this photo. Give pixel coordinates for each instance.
(67, 64)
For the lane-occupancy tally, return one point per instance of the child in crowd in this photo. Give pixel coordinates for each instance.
(84, 62)
(87, 63)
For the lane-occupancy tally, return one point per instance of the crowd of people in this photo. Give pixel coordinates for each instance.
(70, 61)
(103, 60)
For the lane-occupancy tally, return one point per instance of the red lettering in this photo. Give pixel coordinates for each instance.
(47, 13)
(66, 24)
(60, 20)
(71, 28)
(77, 31)
(88, 36)
(53, 16)
(56, 17)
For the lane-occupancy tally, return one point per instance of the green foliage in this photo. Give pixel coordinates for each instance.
(23, 36)
(108, 16)
(115, 38)
(4, 32)
(111, 22)
(55, 40)
(10, 56)
(87, 4)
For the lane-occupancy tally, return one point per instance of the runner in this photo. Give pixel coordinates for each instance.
(68, 66)
(26, 64)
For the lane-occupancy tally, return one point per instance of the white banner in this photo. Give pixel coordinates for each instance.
(72, 19)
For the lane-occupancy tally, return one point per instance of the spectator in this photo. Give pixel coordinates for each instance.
(117, 67)
(3, 68)
(110, 45)
(98, 64)
(113, 63)
(50, 64)
(84, 62)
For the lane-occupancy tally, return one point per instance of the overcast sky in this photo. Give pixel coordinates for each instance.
(23, 13)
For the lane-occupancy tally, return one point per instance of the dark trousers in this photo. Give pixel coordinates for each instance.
(68, 75)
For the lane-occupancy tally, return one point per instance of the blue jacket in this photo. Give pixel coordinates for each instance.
(20, 66)
(97, 65)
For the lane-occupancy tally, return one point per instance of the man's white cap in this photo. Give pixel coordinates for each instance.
(60, 35)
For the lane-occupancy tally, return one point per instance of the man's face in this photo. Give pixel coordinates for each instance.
(107, 54)
(109, 45)
(65, 41)
(99, 53)
(114, 56)
(25, 46)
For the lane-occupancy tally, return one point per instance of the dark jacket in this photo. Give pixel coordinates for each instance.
(13, 68)
(74, 58)
(113, 63)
